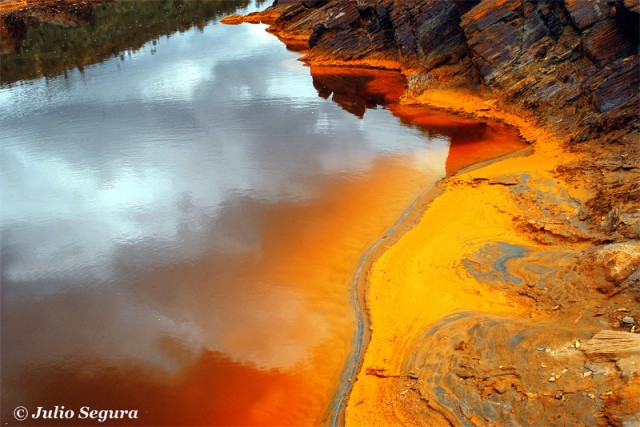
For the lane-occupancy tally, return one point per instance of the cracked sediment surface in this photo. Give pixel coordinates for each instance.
(511, 297)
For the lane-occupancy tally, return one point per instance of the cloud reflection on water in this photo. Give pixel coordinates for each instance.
(132, 167)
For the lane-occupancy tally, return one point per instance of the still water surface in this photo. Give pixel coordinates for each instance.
(180, 227)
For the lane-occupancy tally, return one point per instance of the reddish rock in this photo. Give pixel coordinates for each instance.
(490, 28)
(632, 5)
(440, 23)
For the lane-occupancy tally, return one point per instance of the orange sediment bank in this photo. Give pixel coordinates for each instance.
(419, 277)
(493, 258)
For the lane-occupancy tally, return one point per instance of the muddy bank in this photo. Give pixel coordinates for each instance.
(513, 298)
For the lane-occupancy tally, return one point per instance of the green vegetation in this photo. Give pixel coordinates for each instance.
(126, 25)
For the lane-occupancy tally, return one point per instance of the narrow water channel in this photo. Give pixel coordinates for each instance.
(180, 224)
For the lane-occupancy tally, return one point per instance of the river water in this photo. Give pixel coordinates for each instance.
(180, 224)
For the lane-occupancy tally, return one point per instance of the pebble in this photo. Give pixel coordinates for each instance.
(628, 320)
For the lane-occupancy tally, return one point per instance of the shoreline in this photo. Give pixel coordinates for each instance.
(420, 209)
(526, 256)
(509, 292)
(335, 414)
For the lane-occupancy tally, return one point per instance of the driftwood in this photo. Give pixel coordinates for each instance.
(612, 345)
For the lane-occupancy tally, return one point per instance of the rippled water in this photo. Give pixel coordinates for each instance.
(179, 227)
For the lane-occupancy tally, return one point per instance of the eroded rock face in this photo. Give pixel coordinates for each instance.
(572, 65)
(610, 267)
(475, 369)
(421, 36)
(573, 61)
(500, 372)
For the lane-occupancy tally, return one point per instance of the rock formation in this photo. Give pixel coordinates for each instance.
(569, 68)
(572, 64)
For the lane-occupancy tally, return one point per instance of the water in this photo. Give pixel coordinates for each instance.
(179, 226)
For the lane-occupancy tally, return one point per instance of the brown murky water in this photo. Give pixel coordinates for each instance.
(180, 227)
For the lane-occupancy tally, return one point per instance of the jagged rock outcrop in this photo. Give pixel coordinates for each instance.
(423, 36)
(575, 56)
(569, 66)
(572, 65)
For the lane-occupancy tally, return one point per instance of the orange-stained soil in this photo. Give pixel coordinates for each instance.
(12, 5)
(15, 14)
(41, 5)
(474, 302)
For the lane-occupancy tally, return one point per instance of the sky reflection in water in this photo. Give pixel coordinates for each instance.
(141, 199)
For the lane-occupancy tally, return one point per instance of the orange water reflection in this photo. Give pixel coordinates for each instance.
(471, 141)
(275, 302)
(212, 390)
(301, 277)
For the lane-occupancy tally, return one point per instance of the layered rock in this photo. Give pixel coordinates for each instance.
(576, 56)
(570, 67)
